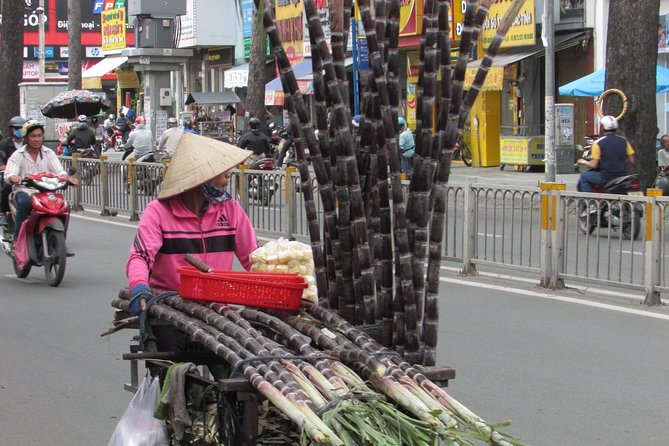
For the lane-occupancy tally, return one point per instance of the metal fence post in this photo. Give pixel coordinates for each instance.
(243, 188)
(546, 237)
(291, 204)
(558, 228)
(654, 221)
(77, 191)
(469, 229)
(134, 202)
(104, 186)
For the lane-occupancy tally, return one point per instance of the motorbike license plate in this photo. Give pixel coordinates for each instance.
(636, 193)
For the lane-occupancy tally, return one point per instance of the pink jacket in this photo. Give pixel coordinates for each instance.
(168, 231)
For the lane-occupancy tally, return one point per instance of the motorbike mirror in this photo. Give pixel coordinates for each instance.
(71, 171)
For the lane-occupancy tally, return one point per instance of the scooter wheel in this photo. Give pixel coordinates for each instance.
(56, 256)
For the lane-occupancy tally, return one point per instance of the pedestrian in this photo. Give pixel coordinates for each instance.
(194, 214)
(407, 146)
(662, 181)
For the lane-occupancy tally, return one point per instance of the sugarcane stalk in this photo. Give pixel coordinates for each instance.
(320, 434)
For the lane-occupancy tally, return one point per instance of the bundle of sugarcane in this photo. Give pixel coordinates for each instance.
(311, 367)
(370, 258)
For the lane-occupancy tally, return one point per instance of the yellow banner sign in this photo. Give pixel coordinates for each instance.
(493, 81)
(521, 151)
(91, 83)
(127, 79)
(521, 32)
(112, 27)
(290, 24)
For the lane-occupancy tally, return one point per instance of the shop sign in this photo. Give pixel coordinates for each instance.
(99, 6)
(31, 18)
(413, 66)
(127, 79)
(91, 83)
(113, 29)
(323, 11)
(290, 25)
(411, 19)
(456, 19)
(521, 32)
(520, 151)
(220, 57)
(493, 81)
(411, 106)
(363, 54)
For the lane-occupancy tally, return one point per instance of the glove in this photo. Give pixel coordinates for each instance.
(140, 292)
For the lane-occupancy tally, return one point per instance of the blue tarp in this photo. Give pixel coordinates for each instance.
(301, 69)
(593, 83)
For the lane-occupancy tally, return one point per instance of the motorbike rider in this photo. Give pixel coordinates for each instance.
(83, 136)
(123, 124)
(30, 159)
(255, 140)
(188, 127)
(170, 138)
(140, 141)
(193, 214)
(7, 147)
(609, 158)
(662, 181)
(109, 123)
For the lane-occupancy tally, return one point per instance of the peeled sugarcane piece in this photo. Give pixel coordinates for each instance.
(294, 410)
(284, 256)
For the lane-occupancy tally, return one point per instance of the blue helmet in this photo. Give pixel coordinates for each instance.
(401, 121)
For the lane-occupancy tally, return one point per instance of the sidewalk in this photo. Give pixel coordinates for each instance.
(507, 177)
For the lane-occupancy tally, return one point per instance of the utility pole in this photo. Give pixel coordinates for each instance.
(549, 101)
(75, 49)
(40, 16)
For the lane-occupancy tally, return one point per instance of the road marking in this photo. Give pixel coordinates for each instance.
(102, 220)
(558, 298)
(536, 281)
(26, 279)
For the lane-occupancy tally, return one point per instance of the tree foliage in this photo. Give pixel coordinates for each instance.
(631, 57)
(11, 58)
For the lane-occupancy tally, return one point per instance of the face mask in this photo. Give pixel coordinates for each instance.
(213, 194)
(18, 133)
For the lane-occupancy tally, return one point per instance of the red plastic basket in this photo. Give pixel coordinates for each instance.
(266, 290)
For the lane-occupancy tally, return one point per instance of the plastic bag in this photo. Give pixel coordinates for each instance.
(137, 426)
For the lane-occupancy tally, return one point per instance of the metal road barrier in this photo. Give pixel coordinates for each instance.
(537, 230)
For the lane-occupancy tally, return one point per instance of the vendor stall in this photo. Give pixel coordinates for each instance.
(522, 152)
(214, 113)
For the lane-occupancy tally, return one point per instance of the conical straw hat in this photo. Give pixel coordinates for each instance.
(197, 160)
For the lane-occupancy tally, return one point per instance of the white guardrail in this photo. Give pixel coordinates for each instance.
(540, 230)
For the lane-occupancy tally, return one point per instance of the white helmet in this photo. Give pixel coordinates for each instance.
(82, 118)
(609, 123)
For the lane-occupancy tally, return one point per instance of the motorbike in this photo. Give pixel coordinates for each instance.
(41, 241)
(285, 149)
(147, 178)
(88, 170)
(614, 214)
(113, 140)
(262, 186)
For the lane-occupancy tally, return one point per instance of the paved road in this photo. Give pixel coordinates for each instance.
(562, 371)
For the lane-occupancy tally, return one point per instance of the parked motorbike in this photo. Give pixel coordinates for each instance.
(614, 214)
(41, 241)
(88, 170)
(262, 186)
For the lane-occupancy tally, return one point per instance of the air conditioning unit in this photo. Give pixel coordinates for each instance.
(165, 97)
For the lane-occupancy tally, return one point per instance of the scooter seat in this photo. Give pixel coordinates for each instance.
(621, 184)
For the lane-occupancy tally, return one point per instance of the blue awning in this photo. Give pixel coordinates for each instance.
(301, 69)
(593, 83)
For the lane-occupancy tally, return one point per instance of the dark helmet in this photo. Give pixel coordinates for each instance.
(17, 122)
(31, 125)
(254, 123)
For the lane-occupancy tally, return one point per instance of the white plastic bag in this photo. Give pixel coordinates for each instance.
(137, 426)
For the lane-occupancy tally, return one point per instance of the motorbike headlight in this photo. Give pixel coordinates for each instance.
(49, 183)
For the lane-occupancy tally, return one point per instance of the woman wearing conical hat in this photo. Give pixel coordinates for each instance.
(193, 214)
